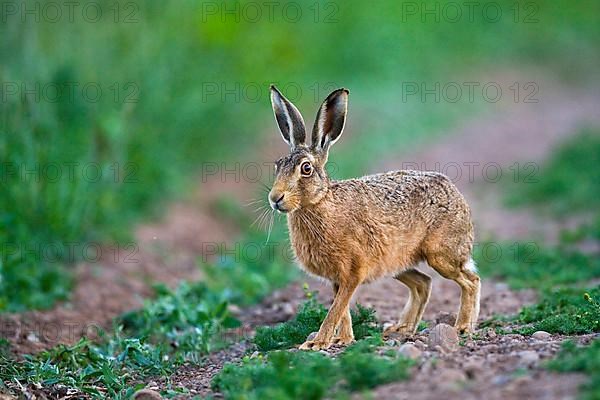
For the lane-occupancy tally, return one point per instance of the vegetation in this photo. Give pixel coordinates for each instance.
(308, 375)
(253, 267)
(581, 359)
(564, 311)
(528, 264)
(568, 181)
(177, 326)
(308, 319)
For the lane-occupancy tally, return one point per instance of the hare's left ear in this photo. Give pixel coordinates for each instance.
(330, 120)
(289, 119)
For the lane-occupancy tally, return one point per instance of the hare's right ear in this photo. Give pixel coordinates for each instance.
(289, 119)
(330, 120)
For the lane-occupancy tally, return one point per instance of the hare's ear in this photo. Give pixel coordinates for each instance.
(330, 120)
(289, 119)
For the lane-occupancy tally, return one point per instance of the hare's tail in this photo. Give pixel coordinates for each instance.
(471, 266)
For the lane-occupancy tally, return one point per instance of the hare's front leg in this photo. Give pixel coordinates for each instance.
(344, 334)
(339, 310)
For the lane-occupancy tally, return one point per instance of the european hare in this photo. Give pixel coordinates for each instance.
(357, 230)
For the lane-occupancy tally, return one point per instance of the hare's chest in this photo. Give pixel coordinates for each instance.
(312, 254)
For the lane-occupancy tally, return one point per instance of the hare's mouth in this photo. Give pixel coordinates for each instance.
(280, 208)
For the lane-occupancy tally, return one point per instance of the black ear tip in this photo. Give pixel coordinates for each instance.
(273, 88)
(345, 90)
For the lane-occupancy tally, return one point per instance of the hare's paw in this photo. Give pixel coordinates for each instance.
(315, 345)
(398, 330)
(465, 327)
(342, 340)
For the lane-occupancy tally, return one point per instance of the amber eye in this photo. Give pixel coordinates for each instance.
(306, 168)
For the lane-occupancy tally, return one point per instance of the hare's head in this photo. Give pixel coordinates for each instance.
(300, 176)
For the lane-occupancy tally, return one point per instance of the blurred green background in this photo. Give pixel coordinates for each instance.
(186, 82)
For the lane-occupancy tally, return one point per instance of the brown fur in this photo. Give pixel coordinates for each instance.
(357, 230)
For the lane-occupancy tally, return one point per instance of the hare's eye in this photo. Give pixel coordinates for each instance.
(306, 168)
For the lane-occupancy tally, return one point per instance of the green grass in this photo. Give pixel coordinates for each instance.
(283, 375)
(177, 326)
(581, 359)
(308, 319)
(563, 311)
(532, 265)
(568, 181)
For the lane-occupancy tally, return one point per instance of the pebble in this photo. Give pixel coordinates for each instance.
(528, 358)
(147, 394)
(411, 351)
(287, 309)
(541, 335)
(312, 336)
(501, 380)
(390, 342)
(445, 336)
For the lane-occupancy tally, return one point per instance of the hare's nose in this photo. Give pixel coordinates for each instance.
(275, 199)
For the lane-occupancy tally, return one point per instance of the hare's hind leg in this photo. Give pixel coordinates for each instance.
(465, 275)
(419, 285)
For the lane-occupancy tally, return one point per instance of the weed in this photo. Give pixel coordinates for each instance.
(177, 326)
(564, 311)
(528, 265)
(569, 180)
(308, 319)
(253, 268)
(572, 358)
(308, 375)
(188, 318)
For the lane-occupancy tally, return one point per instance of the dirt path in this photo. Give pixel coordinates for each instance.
(165, 251)
(485, 368)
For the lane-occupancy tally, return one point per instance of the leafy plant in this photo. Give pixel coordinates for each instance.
(179, 325)
(530, 265)
(565, 311)
(308, 375)
(568, 181)
(573, 358)
(308, 319)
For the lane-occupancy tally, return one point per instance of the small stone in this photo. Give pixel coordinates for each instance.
(501, 380)
(234, 309)
(411, 351)
(491, 334)
(32, 337)
(287, 309)
(147, 394)
(445, 318)
(528, 358)
(312, 336)
(445, 336)
(390, 342)
(254, 354)
(541, 335)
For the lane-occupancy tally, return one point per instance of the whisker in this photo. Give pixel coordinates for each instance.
(259, 217)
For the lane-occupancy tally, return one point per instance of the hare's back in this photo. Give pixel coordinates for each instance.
(427, 193)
